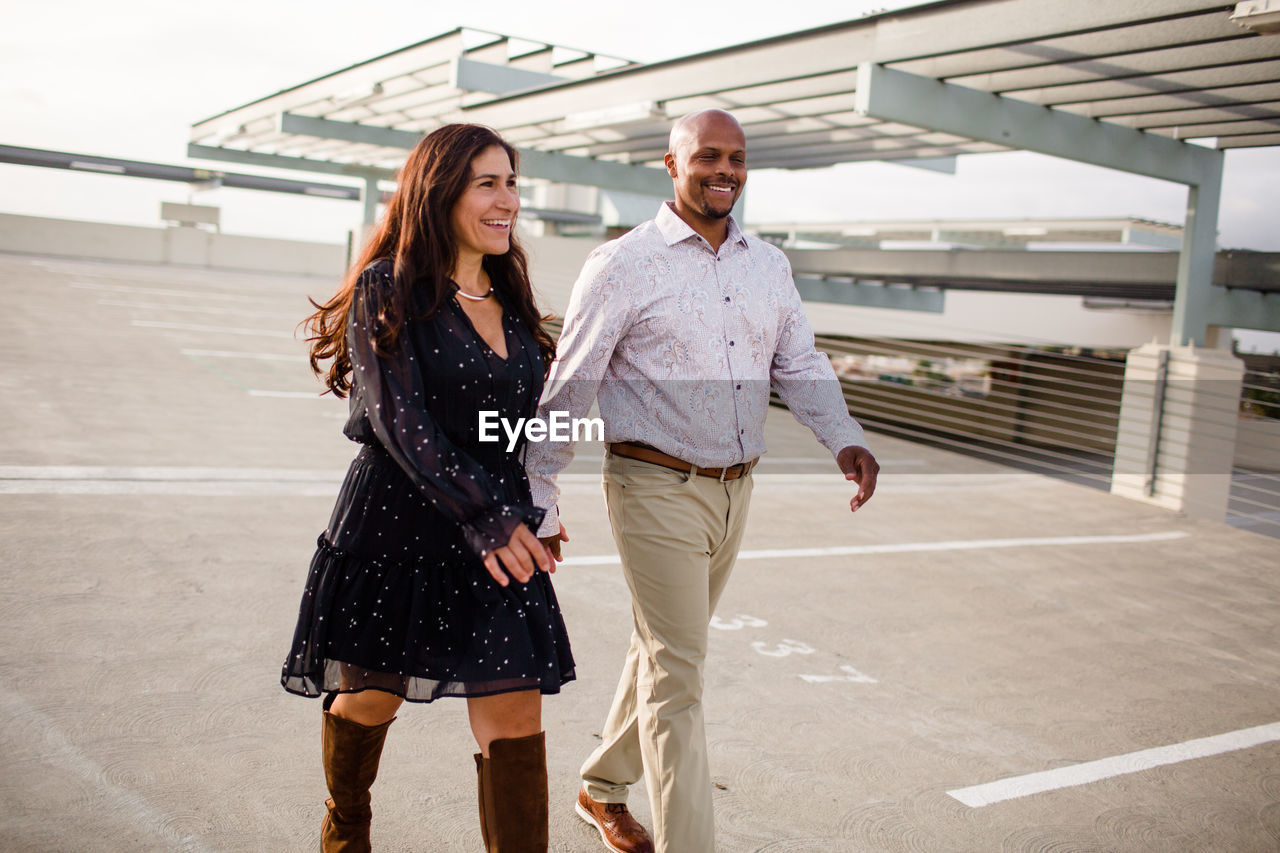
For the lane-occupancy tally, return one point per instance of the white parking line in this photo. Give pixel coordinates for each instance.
(170, 473)
(160, 291)
(290, 395)
(827, 460)
(226, 353)
(222, 330)
(916, 547)
(201, 309)
(1118, 765)
(120, 480)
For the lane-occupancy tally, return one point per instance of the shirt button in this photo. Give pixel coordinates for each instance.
(730, 343)
(737, 387)
(726, 299)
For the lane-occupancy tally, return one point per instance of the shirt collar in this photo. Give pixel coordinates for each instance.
(674, 229)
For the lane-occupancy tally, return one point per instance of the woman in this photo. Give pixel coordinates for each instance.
(429, 580)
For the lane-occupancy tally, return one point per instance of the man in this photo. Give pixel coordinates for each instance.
(678, 328)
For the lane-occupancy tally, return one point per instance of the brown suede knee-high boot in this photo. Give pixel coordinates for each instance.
(513, 797)
(351, 753)
(481, 790)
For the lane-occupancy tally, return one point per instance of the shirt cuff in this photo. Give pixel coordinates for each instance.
(852, 437)
(550, 523)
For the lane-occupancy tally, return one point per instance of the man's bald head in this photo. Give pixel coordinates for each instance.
(707, 162)
(690, 126)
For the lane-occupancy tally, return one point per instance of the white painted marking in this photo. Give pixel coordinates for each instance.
(1118, 765)
(108, 480)
(190, 489)
(924, 484)
(851, 675)
(963, 545)
(783, 649)
(222, 330)
(160, 291)
(175, 473)
(913, 483)
(827, 460)
(915, 547)
(741, 621)
(226, 353)
(289, 395)
(179, 488)
(201, 309)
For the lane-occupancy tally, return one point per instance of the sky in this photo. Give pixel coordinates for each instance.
(128, 79)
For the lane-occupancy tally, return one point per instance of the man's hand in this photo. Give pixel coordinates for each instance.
(859, 465)
(552, 544)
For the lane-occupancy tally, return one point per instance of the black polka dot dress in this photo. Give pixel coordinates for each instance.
(397, 598)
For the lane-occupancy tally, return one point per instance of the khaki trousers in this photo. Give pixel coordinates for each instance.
(678, 535)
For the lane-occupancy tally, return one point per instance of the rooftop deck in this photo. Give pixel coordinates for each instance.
(874, 679)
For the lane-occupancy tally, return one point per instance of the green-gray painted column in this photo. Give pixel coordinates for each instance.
(371, 197)
(1191, 305)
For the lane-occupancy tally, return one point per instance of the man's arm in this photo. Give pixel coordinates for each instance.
(808, 385)
(597, 316)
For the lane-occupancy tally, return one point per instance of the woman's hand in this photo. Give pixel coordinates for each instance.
(520, 557)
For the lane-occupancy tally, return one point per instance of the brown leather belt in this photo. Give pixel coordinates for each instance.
(645, 453)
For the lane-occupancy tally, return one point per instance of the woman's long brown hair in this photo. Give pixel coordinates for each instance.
(415, 233)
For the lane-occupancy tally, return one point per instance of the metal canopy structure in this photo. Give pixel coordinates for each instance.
(1121, 85)
(360, 121)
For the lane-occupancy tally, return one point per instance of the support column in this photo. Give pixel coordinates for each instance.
(371, 196)
(357, 237)
(1195, 262)
(1175, 445)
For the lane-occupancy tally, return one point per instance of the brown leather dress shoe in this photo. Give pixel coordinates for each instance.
(619, 831)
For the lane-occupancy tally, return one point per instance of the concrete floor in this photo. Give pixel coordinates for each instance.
(165, 472)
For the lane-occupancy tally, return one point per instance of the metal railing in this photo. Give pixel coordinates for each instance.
(1052, 410)
(1255, 479)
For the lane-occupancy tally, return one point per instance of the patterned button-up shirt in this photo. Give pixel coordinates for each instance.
(680, 343)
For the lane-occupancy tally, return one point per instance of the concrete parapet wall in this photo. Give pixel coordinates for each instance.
(37, 235)
(185, 246)
(554, 263)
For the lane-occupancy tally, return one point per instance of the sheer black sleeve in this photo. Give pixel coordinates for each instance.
(391, 391)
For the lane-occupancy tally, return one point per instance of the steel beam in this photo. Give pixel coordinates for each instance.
(1038, 268)
(545, 165)
(864, 295)
(348, 131)
(207, 178)
(567, 169)
(469, 75)
(1244, 309)
(893, 95)
(946, 165)
(280, 161)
